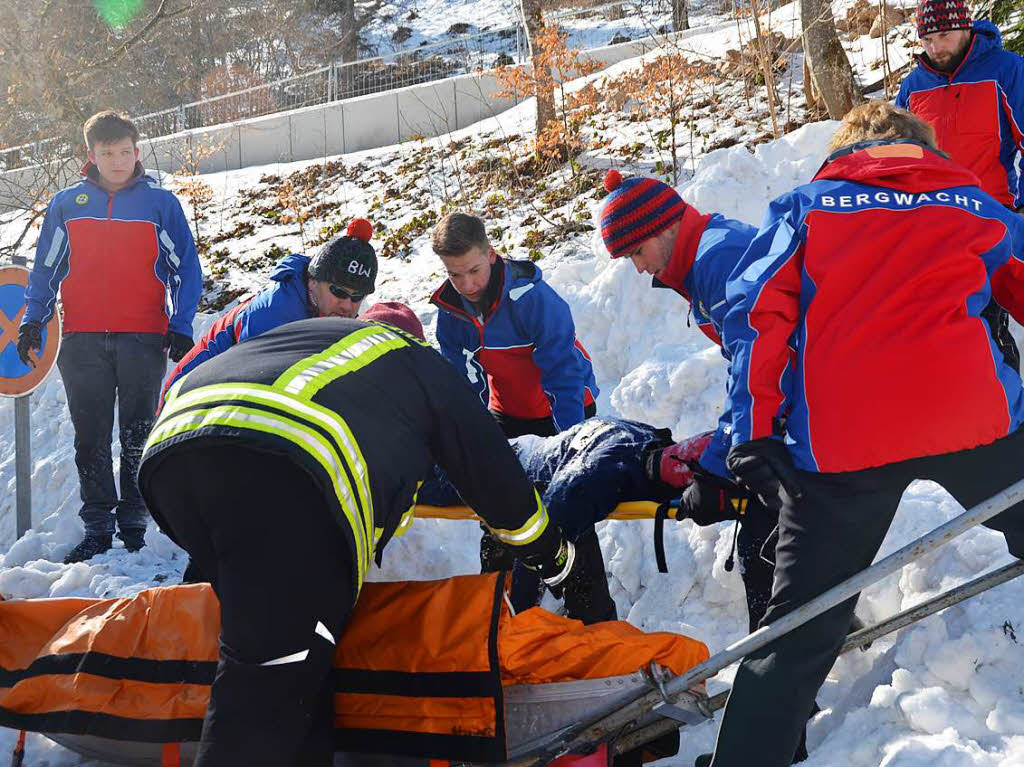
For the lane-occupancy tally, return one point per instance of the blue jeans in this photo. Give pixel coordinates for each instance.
(98, 368)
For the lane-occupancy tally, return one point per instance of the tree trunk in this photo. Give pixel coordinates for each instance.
(810, 91)
(533, 21)
(680, 15)
(833, 76)
(350, 32)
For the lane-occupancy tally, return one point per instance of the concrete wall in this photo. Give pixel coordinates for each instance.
(365, 122)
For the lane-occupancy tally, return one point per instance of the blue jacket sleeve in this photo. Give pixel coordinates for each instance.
(546, 318)
(764, 310)
(1012, 98)
(456, 352)
(903, 96)
(271, 308)
(50, 266)
(184, 278)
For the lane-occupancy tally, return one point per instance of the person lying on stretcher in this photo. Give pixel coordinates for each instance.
(584, 472)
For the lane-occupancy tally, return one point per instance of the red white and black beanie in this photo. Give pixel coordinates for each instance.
(636, 209)
(942, 16)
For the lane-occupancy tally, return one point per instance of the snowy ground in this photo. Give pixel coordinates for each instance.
(948, 692)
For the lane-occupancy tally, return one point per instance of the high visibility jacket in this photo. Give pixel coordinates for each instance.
(283, 301)
(367, 410)
(123, 261)
(977, 111)
(705, 252)
(522, 356)
(878, 270)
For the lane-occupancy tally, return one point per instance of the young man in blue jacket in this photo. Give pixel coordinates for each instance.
(118, 249)
(331, 284)
(876, 273)
(510, 333)
(513, 338)
(971, 92)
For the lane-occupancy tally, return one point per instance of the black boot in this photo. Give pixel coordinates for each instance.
(133, 539)
(586, 593)
(88, 548)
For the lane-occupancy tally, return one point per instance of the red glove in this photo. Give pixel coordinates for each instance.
(676, 465)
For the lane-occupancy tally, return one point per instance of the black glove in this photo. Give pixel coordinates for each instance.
(709, 500)
(764, 466)
(555, 560)
(177, 345)
(30, 336)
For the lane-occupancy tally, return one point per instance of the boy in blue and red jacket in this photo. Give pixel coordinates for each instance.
(514, 339)
(877, 272)
(971, 92)
(119, 250)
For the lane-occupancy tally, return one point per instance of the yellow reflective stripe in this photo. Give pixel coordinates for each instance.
(314, 444)
(529, 532)
(405, 523)
(333, 423)
(172, 393)
(407, 336)
(357, 350)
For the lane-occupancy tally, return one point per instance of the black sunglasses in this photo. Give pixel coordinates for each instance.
(339, 292)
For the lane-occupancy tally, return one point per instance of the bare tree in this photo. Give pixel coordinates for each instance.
(833, 77)
(680, 15)
(533, 21)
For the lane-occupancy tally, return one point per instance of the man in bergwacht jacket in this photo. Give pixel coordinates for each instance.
(877, 272)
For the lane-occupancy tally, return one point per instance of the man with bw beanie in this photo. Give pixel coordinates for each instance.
(331, 284)
(971, 92)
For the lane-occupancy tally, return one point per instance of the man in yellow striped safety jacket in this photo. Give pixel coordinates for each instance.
(282, 466)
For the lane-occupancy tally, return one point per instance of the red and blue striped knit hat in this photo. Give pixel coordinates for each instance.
(942, 16)
(635, 210)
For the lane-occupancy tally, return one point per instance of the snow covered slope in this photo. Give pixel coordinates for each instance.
(948, 692)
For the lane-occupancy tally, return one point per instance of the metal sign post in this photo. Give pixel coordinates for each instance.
(18, 379)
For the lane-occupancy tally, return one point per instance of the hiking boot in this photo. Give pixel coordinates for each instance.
(88, 548)
(133, 539)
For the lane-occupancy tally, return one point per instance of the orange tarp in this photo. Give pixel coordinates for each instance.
(425, 660)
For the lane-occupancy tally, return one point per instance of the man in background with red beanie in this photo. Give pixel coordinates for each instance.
(331, 284)
(646, 221)
(971, 92)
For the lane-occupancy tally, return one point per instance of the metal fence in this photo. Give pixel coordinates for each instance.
(411, 66)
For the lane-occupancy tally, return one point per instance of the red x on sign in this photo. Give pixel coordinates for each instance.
(17, 378)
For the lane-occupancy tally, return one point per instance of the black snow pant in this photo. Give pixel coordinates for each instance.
(832, 533)
(755, 552)
(96, 369)
(258, 527)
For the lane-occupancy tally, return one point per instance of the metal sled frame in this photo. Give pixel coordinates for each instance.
(671, 704)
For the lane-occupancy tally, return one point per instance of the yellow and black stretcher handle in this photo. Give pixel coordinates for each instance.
(628, 510)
